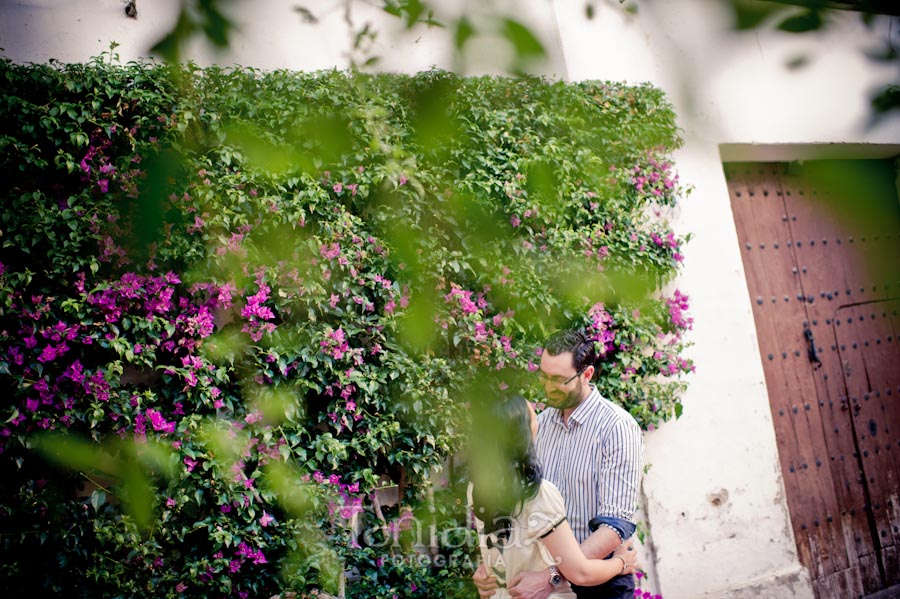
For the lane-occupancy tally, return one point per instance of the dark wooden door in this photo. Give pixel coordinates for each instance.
(821, 251)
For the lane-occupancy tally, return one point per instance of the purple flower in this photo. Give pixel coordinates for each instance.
(16, 354)
(48, 354)
(159, 423)
(266, 519)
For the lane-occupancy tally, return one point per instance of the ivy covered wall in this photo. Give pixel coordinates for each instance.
(233, 303)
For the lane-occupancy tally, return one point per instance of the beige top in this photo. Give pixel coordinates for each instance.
(523, 550)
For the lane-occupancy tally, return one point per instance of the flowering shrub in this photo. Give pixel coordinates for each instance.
(233, 304)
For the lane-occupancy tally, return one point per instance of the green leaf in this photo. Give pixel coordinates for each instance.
(463, 33)
(98, 498)
(523, 40)
(750, 14)
(169, 48)
(809, 21)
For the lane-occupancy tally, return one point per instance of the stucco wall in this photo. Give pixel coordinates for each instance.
(272, 34)
(718, 523)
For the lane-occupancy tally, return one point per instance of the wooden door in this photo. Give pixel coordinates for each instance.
(821, 250)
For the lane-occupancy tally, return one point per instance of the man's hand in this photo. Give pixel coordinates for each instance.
(487, 584)
(530, 585)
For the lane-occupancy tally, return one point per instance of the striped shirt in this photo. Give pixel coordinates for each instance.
(595, 461)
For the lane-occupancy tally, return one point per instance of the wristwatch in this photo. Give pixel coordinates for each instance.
(556, 578)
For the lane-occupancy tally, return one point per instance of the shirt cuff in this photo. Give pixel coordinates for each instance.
(621, 526)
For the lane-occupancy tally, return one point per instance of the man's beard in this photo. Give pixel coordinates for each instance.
(570, 399)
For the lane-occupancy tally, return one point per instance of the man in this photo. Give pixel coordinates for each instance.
(592, 450)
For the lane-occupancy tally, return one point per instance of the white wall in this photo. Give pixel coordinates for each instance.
(718, 521)
(271, 34)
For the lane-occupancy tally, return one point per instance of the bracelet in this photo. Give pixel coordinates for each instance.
(624, 564)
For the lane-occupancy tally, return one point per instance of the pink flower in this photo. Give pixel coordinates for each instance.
(48, 354)
(266, 519)
(330, 251)
(159, 423)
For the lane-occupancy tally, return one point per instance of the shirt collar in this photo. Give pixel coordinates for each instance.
(580, 414)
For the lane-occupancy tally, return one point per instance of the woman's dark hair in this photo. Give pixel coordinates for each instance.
(584, 352)
(504, 468)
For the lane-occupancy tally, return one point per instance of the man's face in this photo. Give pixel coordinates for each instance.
(562, 384)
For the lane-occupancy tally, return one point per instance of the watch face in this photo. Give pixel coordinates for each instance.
(556, 580)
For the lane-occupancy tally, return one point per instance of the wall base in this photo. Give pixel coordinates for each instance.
(792, 584)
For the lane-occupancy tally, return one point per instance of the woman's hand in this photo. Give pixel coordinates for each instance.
(486, 583)
(626, 552)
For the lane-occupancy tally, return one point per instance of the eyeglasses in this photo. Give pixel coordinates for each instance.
(558, 381)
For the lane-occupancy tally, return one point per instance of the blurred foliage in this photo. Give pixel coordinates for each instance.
(242, 301)
(812, 16)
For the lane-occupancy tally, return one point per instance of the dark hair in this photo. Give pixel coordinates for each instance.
(584, 352)
(504, 468)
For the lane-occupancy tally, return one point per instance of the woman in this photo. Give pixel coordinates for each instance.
(521, 518)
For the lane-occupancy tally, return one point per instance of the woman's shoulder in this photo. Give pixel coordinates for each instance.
(548, 488)
(544, 511)
(548, 499)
